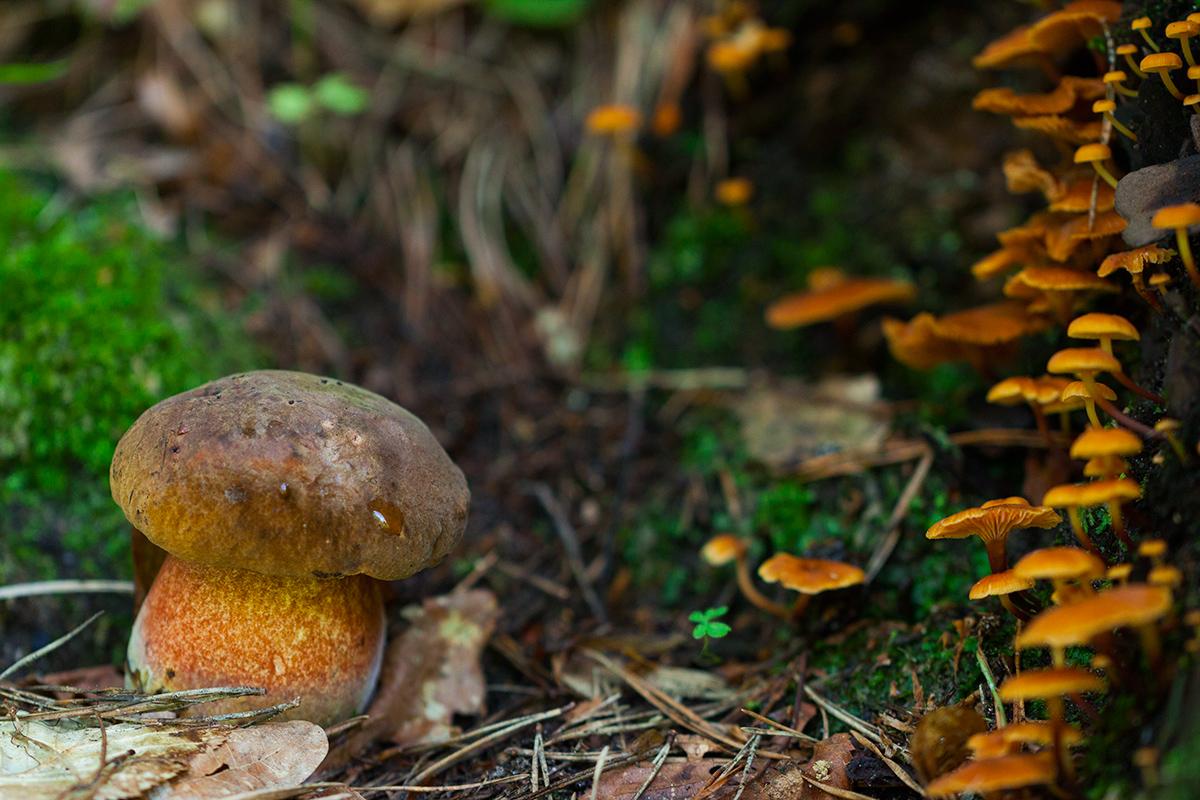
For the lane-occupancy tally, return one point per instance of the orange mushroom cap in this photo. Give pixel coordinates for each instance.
(1057, 279)
(722, 549)
(1077, 197)
(1161, 62)
(997, 263)
(1102, 326)
(1022, 173)
(1134, 261)
(1011, 391)
(1105, 466)
(1095, 493)
(1180, 216)
(1095, 151)
(1057, 101)
(1062, 626)
(1183, 29)
(999, 583)
(1152, 548)
(995, 774)
(613, 119)
(1078, 391)
(1059, 563)
(1039, 684)
(734, 191)
(916, 344)
(999, 741)
(809, 575)
(1079, 360)
(845, 297)
(996, 323)
(1096, 442)
(994, 520)
(1165, 575)
(1062, 128)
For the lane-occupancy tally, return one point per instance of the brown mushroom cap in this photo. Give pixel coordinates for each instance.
(809, 575)
(1096, 442)
(995, 774)
(290, 474)
(1078, 623)
(830, 302)
(1059, 563)
(1039, 684)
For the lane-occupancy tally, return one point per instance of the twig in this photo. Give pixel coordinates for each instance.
(889, 541)
(15, 590)
(656, 766)
(896, 769)
(1001, 721)
(570, 541)
(57, 643)
(462, 752)
(845, 716)
(599, 769)
(461, 787)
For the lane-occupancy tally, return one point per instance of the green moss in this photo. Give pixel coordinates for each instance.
(99, 321)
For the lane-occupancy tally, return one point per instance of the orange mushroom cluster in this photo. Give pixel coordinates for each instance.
(1063, 257)
(1091, 602)
(738, 40)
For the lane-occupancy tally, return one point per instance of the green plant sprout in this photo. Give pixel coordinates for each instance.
(708, 626)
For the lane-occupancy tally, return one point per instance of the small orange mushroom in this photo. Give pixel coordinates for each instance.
(725, 548)
(835, 300)
(1106, 109)
(991, 775)
(992, 522)
(1096, 154)
(1163, 64)
(1141, 25)
(1183, 31)
(808, 576)
(1179, 218)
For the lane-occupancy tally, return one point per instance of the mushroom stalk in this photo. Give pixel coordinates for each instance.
(997, 556)
(1124, 419)
(1080, 533)
(1089, 381)
(1185, 253)
(1128, 383)
(1114, 511)
(746, 584)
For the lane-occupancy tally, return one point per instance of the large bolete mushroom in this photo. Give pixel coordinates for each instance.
(282, 499)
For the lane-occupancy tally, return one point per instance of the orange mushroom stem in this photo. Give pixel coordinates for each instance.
(1106, 109)
(722, 549)
(1141, 25)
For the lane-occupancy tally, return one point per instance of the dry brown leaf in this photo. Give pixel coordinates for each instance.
(274, 755)
(430, 673)
(784, 425)
(392, 12)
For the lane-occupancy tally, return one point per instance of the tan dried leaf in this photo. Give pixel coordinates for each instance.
(269, 756)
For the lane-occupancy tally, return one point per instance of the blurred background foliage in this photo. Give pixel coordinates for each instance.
(98, 320)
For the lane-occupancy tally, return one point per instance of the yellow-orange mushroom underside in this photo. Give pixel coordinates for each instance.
(319, 640)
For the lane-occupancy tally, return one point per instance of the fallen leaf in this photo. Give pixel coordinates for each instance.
(269, 756)
(784, 425)
(430, 673)
(41, 761)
